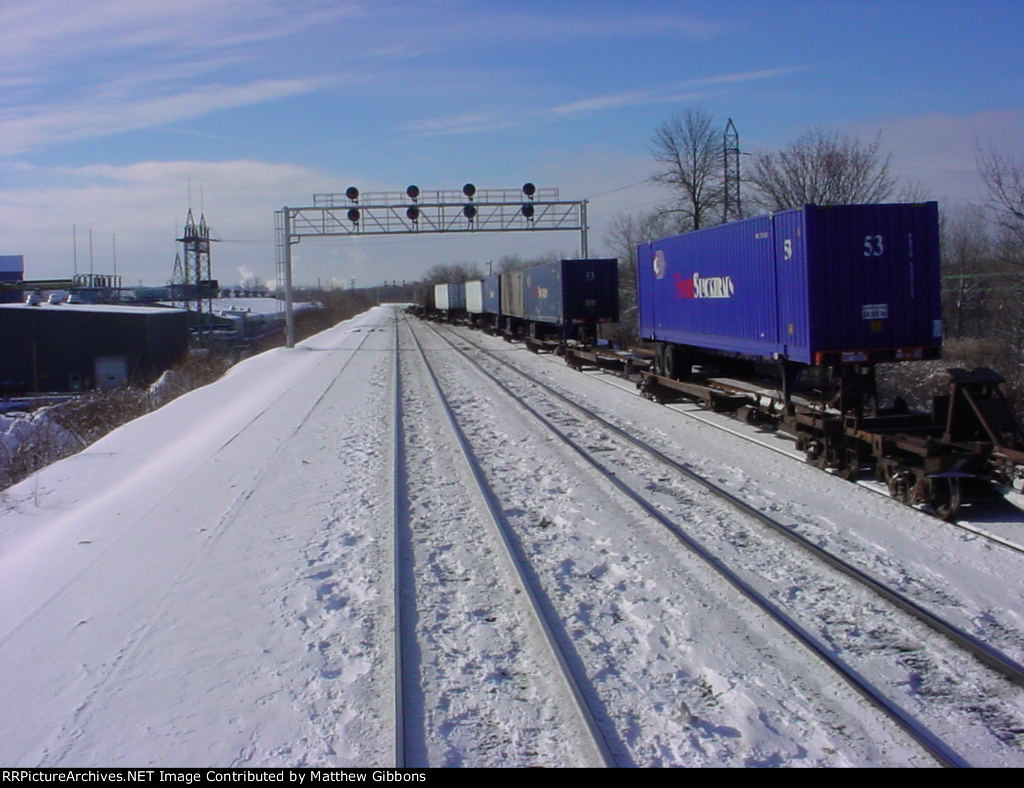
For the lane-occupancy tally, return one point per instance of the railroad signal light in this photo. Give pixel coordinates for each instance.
(413, 213)
(352, 193)
(353, 215)
(469, 211)
(413, 192)
(527, 210)
(529, 190)
(469, 190)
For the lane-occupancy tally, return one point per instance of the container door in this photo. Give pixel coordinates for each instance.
(644, 291)
(111, 371)
(875, 280)
(791, 274)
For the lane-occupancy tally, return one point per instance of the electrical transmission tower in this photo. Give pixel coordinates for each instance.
(731, 208)
(199, 285)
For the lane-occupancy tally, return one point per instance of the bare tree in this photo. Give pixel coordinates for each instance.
(967, 264)
(446, 273)
(625, 232)
(824, 168)
(688, 147)
(1004, 179)
(513, 262)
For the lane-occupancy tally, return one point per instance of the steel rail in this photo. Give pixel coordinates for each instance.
(399, 527)
(515, 561)
(611, 380)
(942, 752)
(989, 655)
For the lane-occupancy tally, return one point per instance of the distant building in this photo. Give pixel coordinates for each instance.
(75, 347)
(12, 267)
(12, 271)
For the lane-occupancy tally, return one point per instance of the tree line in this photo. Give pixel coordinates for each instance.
(982, 243)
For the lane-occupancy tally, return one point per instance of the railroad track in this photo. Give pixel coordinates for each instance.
(433, 707)
(944, 669)
(699, 414)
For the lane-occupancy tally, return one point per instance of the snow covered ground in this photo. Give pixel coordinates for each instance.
(212, 584)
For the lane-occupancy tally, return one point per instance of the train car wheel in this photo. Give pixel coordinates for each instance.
(901, 485)
(677, 363)
(845, 472)
(815, 453)
(944, 497)
(658, 362)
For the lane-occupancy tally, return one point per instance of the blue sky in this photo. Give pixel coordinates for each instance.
(110, 109)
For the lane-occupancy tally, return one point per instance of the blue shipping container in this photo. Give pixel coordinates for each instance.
(816, 285)
(572, 292)
(492, 294)
(12, 267)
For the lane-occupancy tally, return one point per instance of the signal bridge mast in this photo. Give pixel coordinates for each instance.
(416, 212)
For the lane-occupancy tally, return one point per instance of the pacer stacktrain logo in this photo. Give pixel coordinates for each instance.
(659, 264)
(697, 286)
(704, 286)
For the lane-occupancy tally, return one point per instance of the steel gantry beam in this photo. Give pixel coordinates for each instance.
(416, 212)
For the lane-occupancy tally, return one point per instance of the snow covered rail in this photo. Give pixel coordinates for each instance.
(1006, 507)
(448, 518)
(987, 654)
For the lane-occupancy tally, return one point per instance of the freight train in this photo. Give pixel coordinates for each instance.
(547, 305)
(781, 319)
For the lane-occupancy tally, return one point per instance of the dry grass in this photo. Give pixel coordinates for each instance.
(917, 381)
(82, 420)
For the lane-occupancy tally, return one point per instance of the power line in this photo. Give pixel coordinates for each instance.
(618, 189)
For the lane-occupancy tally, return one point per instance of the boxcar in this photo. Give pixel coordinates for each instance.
(816, 285)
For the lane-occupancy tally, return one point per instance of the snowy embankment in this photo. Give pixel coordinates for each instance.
(212, 584)
(178, 593)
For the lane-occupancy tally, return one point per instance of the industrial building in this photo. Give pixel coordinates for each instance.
(75, 347)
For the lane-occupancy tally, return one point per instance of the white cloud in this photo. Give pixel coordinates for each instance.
(145, 204)
(74, 70)
(44, 125)
(471, 123)
(464, 123)
(743, 76)
(617, 101)
(668, 93)
(46, 33)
